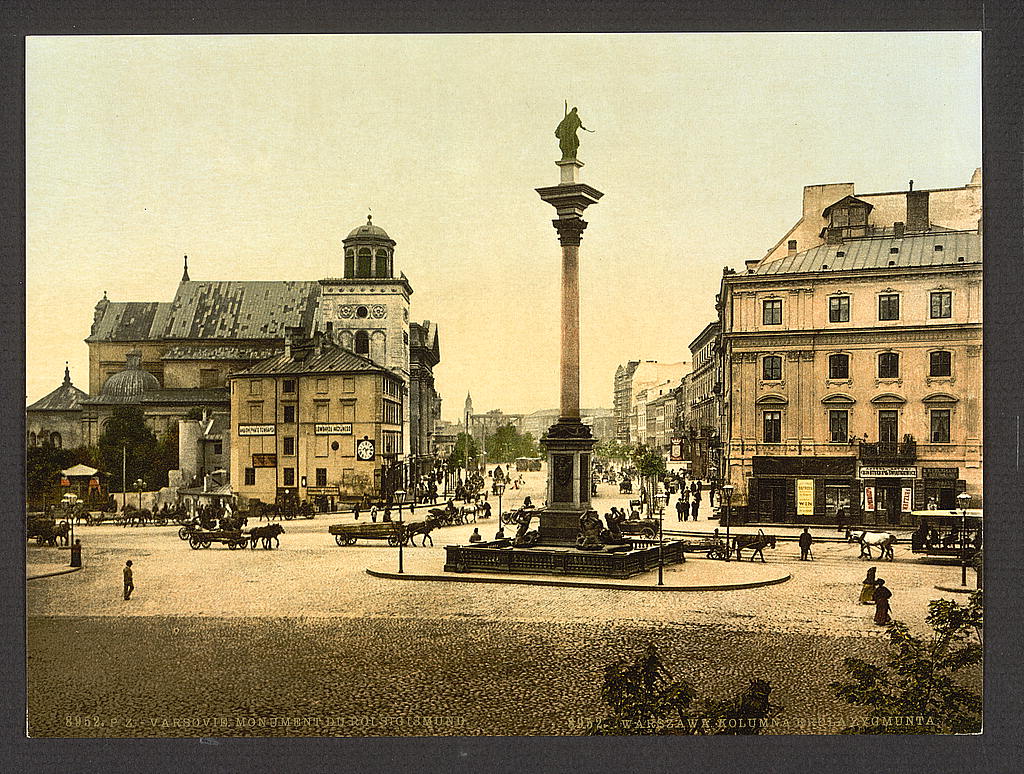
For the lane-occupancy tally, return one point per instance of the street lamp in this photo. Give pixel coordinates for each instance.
(499, 488)
(964, 500)
(661, 547)
(140, 485)
(401, 538)
(727, 492)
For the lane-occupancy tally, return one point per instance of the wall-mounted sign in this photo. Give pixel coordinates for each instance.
(677, 450)
(326, 491)
(332, 429)
(907, 505)
(805, 497)
(869, 498)
(886, 472)
(264, 460)
(257, 430)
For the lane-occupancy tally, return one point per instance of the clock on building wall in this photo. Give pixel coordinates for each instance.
(365, 449)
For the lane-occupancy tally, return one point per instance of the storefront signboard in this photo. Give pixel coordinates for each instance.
(244, 430)
(805, 497)
(908, 504)
(264, 460)
(873, 471)
(315, 491)
(332, 429)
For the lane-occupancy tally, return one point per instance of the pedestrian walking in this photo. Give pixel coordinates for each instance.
(355, 511)
(867, 589)
(373, 513)
(805, 545)
(881, 599)
(681, 514)
(695, 508)
(129, 583)
(76, 553)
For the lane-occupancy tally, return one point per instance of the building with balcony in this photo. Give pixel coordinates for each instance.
(702, 429)
(852, 368)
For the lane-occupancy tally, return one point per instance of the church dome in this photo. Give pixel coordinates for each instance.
(368, 230)
(132, 381)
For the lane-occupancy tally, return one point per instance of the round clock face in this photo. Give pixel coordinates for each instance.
(364, 450)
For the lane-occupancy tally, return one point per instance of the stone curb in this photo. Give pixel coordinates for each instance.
(956, 589)
(65, 571)
(575, 584)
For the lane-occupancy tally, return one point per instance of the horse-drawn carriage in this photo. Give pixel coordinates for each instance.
(395, 532)
(645, 528)
(716, 547)
(267, 536)
(452, 515)
(47, 531)
(626, 486)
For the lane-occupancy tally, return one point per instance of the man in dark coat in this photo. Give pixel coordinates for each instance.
(695, 507)
(681, 514)
(805, 545)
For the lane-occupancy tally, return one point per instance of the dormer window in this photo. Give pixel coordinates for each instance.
(848, 217)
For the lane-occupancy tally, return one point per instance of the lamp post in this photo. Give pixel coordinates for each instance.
(140, 485)
(499, 487)
(963, 500)
(661, 547)
(727, 491)
(401, 537)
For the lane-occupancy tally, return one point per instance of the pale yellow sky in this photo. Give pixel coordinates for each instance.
(256, 155)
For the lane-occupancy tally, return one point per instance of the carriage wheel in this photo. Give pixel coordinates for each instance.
(161, 521)
(393, 541)
(194, 542)
(289, 516)
(231, 545)
(183, 533)
(647, 532)
(350, 542)
(715, 553)
(207, 543)
(341, 540)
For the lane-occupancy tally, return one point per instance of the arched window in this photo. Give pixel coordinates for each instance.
(382, 269)
(32, 440)
(350, 263)
(55, 441)
(771, 368)
(363, 264)
(838, 366)
(362, 343)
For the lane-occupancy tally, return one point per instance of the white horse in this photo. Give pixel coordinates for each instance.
(468, 512)
(882, 540)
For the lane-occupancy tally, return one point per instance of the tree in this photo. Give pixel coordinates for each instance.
(506, 444)
(43, 465)
(645, 700)
(614, 449)
(466, 452)
(650, 466)
(127, 429)
(920, 689)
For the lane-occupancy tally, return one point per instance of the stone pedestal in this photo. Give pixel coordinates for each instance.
(569, 445)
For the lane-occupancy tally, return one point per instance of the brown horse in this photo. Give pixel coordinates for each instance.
(414, 528)
(757, 543)
(266, 534)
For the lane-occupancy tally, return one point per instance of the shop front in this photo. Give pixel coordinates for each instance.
(888, 495)
(803, 490)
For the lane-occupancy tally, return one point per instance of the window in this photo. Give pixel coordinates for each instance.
(255, 413)
(889, 306)
(940, 426)
(382, 264)
(838, 366)
(362, 343)
(250, 476)
(839, 309)
(888, 365)
(940, 363)
(218, 447)
(773, 427)
(321, 476)
(348, 385)
(323, 409)
(350, 263)
(288, 386)
(771, 368)
(942, 304)
(289, 476)
(321, 386)
(772, 314)
(289, 446)
(839, 425)
(363, 264)
(255, 387)
(348, 411)
(289, 413)
(851, 221)
(362, 312)
(56, 441)
(888, 425)
(209, 378)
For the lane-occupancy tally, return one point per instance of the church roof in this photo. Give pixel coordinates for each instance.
(367, 230)
(67, 397)
(211, 310)
(221, 352)
(333, 359)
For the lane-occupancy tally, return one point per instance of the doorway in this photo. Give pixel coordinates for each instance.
(772, 500)
(889, 503)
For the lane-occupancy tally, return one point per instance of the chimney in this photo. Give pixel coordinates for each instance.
(898, 228)
(289, 341)
(833, 236)
(791, 246)
(751, 264)
(917, 210)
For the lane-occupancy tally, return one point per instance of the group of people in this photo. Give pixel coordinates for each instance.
(690, 496)
(874, 592)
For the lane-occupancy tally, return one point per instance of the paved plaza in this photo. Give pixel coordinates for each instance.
(238, 638)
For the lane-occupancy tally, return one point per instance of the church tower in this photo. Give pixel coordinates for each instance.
(367, 310)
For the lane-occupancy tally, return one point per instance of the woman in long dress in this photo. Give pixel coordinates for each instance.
(867, 589)
(882, 595)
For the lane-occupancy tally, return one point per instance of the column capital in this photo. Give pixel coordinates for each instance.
(570, 230)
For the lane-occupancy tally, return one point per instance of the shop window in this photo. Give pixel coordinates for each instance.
(773, 427)
(940, 363)
(942, 304)
(289, 476)
(888, 425)
(940, 425)
(771, 368)
(772, 311)
(838, 366)
(288, 386)
(839, 425)
(289, 413)
(889, 306)
(289, 446)
(888, 365)
(321, 476)
(362, 343)
(839, 309)
(250, 476)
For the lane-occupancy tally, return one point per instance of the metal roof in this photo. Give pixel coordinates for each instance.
(129, 320)
(333, 359)
(222, 352)
(918, 249)
(67, 397)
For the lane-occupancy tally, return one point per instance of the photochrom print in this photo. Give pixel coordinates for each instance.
(475, 385)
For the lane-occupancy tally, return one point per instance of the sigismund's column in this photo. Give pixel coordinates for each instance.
(568, 442)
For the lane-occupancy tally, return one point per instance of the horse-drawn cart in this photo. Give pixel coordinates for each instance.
(394, 532)
(204, 538)
(645, 528)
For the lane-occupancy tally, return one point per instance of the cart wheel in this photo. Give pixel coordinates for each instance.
(647, 532)
(231, 545)
(350, 542)
(289, 516)
(183, 533)
(162, 521)
(207, 543)
(714, 553)
(194, 542)
(341, 540)
(393, 541)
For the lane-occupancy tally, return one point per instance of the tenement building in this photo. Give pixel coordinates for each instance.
(316, 422)
(853, 365)
(703, 402)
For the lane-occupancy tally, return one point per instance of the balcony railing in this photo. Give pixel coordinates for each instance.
(889, 451)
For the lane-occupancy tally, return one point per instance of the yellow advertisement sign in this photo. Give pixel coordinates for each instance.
(805, 497)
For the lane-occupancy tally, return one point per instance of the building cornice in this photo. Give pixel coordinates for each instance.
(732, 280)
(846, 336)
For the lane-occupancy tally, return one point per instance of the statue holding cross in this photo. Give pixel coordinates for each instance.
(568, 142)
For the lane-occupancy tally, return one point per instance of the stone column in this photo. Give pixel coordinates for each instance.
(568, 442)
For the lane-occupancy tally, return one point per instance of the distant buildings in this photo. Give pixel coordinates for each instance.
(56, 419)
(637, 383)
(704, 402)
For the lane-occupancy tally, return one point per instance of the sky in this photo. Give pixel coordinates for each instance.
(256, 155)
